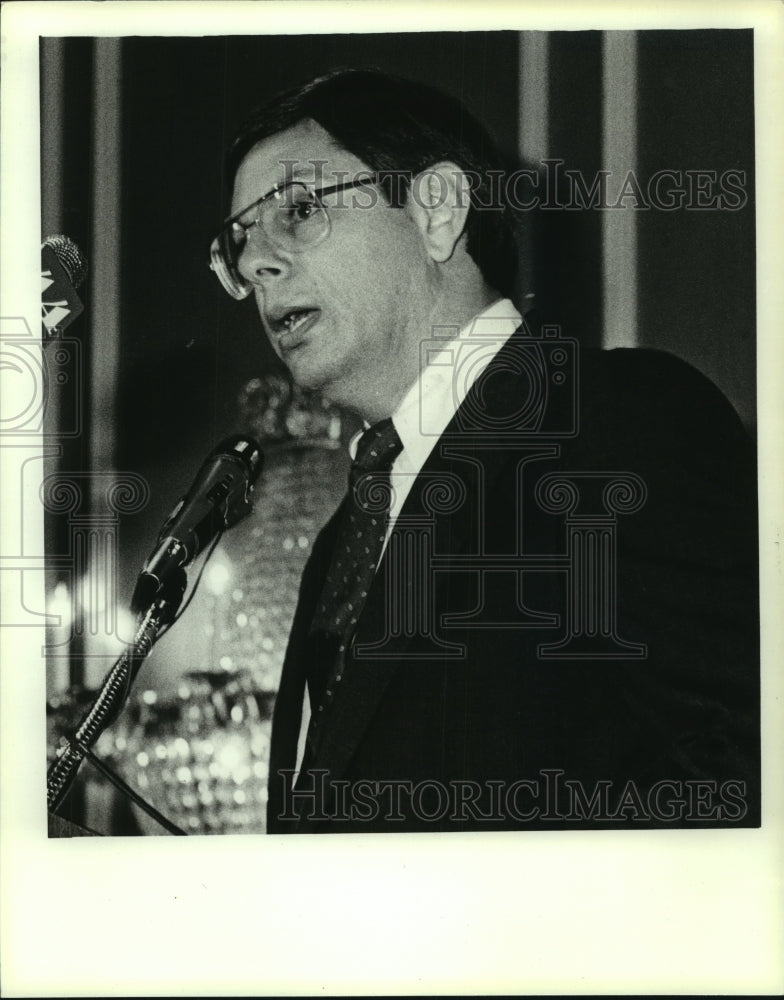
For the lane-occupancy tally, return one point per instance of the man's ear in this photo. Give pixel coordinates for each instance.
(439, 200)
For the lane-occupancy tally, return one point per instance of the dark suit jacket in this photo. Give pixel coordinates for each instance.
(488, 686)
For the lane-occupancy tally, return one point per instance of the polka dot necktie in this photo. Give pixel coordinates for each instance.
(362, 533)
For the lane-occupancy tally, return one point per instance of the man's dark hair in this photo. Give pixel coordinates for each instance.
(398, 127)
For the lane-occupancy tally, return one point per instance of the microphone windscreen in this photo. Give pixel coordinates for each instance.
(70, 256)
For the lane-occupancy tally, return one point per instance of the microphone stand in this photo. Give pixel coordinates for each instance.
(111, 696)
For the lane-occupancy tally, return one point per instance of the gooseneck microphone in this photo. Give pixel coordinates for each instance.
(219, 497)
(63, 269)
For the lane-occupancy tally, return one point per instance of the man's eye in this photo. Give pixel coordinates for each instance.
(300, 209)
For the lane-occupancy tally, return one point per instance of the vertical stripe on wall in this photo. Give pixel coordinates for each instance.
(533, 135)
(534, 124)
(105, 305)
(619, 156)
(52, 75)
(105, 268)
(52, 139)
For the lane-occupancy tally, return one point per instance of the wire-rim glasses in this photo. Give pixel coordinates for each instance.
(292, 218)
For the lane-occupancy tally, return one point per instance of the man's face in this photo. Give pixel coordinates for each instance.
(362, 291)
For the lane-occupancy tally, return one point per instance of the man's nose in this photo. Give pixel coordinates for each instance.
(260, 259)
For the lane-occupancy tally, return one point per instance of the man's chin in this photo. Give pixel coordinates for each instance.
(316, 379)
(306, 373)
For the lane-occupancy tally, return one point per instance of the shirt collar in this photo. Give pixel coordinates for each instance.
(433, 399)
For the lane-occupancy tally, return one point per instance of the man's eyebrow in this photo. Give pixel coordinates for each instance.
(315, 171)
(294, 168)
(269, 186)
(306, 176)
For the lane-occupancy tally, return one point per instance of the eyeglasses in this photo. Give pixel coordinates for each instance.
(292, 218)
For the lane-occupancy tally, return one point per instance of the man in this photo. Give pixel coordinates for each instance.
(536, 604)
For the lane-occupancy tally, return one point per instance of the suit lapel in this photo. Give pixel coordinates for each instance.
(466, 444)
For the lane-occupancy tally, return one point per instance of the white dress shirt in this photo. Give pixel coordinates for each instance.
(450, 364)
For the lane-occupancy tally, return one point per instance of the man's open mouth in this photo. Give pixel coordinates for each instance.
(293, 320)
(296, 318)
(290, 327)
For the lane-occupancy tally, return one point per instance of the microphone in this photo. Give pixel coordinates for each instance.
(219, 497)
(63, 269)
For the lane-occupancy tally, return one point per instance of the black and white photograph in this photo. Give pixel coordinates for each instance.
(396, 459)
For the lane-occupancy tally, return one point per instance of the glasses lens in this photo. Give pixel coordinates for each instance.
(291, 219)
(223, 257)
(295, 218)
